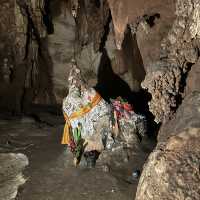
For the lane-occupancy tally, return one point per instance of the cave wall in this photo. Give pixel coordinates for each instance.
(45, 36)
(25, 74)
(167, 37)
(61, 46)
(168, 40)
(152, 43)
(171, 171)
(7, 26)
(179, 51)
(7, 41)
(131, 12)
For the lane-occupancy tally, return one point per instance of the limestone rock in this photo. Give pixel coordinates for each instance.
(172, 173)
(11, 167)
(172, 169)
(128, 11)
(163, 84)
(94, 122)
(23, 33)
(89, 60)
(91, 18)
(166, 78)
(61, 49)
(126, 144)
(187, 116)
(193, 80)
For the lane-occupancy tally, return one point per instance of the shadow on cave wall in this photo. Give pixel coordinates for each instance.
(110, 85)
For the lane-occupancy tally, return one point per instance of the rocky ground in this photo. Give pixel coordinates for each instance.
(51, 174)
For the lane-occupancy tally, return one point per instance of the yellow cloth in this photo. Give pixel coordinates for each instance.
(67, 129)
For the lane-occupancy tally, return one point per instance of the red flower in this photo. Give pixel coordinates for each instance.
(72, 145)
(89, 98)
(127, 107)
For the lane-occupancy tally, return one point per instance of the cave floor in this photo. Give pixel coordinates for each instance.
(51, 174)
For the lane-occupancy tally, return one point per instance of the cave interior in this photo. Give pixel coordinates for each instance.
(145, 52)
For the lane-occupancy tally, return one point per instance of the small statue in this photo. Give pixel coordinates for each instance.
(86, 115)
(93, 125)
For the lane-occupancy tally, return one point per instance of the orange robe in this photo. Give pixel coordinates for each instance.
(67, 134)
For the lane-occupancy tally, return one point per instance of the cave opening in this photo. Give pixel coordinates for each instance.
(109, 84)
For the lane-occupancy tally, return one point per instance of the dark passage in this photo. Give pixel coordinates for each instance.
(110, 85)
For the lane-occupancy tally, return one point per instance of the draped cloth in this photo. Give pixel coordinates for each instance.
(67, 133)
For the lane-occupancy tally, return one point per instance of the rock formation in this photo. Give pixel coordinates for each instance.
(11, 176)
(179, 51)
(172, 170)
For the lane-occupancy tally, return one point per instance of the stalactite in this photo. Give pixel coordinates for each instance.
(32, 71)
(91, 22)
